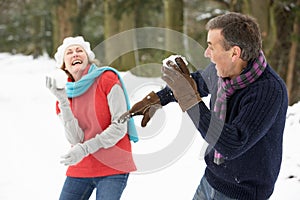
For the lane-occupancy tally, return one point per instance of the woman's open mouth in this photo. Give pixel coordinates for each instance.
(75, 62)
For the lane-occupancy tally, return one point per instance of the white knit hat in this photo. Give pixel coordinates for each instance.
(59, 55)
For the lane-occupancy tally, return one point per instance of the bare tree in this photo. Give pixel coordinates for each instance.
(64, 15)
(173, 10)
(293, 55)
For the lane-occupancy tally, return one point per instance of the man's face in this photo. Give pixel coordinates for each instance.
(75, 59)
(217, 54)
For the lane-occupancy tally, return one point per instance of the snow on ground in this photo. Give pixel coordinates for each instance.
(33, 141)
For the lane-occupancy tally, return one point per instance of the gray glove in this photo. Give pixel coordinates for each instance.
(81, 150)
(60, 94)
(75, 155)
(62, 98)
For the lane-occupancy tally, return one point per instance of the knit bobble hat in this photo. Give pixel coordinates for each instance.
(59, 55)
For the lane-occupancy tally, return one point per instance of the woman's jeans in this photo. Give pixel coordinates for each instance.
(107, 187)
(206, 192)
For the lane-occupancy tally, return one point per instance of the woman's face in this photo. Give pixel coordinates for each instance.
(76, 60)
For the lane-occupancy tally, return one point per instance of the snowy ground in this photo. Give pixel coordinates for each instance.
(33, 141)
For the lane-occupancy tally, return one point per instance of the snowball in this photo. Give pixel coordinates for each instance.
(172, 58)
(60, 78)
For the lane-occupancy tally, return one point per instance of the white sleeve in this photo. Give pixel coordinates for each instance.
(115, 131)
(73, 132)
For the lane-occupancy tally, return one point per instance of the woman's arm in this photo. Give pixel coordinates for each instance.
(116, 130)
(73, 132)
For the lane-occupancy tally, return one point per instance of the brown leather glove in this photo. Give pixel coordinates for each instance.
(146, 107)
(178, 78)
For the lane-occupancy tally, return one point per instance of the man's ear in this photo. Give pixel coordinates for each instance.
(236, 53)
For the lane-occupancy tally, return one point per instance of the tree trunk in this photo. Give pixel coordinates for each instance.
(127, 22)
(263, 11)
(174, 21)
(111, 27)
(292, 56)
(64, 15)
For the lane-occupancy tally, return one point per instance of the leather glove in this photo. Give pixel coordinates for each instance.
(178, 78)
(75, 155)
(146, 107)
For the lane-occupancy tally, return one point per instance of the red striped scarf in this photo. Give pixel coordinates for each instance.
(227, 87)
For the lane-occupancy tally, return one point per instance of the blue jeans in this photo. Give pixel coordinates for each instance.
(107, 187)
(206, 192)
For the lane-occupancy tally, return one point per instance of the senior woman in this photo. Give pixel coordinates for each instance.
(100, 156)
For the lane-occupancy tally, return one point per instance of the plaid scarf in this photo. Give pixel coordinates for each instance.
(227, 87)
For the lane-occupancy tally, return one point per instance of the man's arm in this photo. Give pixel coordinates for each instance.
(258, 111)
